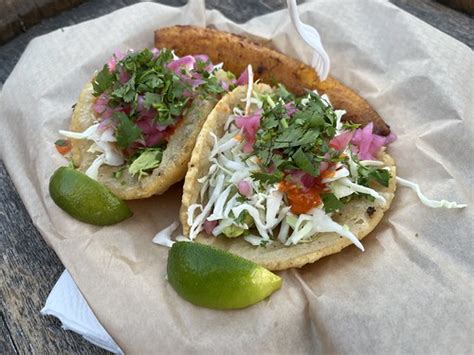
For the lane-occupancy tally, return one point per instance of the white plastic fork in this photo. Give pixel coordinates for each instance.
(320, 61)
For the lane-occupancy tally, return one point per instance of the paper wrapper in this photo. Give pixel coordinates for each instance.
(409, 292)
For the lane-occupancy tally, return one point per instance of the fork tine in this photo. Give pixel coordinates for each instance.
(322, 74)
(320, 60)
(318, 63)
(315, 60)
(320, 66)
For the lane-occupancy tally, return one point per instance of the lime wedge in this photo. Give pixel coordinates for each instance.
(213, 278)
(85, 199)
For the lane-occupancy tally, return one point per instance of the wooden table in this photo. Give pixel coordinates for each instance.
(29, 268)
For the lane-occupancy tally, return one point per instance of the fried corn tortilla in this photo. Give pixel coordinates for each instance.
(359, 214)
(272, 67)
(175, 157)
(236, 52)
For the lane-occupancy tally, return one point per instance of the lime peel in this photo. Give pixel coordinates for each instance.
(213, 278)
(86, 199)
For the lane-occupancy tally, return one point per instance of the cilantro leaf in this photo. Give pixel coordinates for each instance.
(350, 126)
(369, 175)
(281, 163)
(127, 132)
(61, 143)
(304, 163)
(296, 142)
(102, 81)
(267, 178)
(150, 99)
(331, 203)
(126, 91)
(309, 138)
(289, 137)
(284, 94)
(382, 176)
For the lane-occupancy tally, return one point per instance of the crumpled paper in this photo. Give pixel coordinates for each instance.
(409, 292)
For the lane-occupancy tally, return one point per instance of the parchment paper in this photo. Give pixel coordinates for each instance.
(411, 291)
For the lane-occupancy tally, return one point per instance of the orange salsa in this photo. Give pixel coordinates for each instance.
(301, 201)
(63, 146)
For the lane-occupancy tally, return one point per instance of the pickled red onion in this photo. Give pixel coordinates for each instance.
(209, 226)
(368, 144)
(341, 141)
(249, 125)
(245, 188)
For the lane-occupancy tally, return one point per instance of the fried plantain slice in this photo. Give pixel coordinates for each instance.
(272, 67)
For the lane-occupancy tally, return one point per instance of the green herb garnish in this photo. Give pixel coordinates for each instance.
(268, 178)
(127, 132)
(297, 142)
(331, 202)
(103, 81)
(62, 143)
(165, 93)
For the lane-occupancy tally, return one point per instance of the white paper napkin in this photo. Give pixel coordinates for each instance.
(66, 303)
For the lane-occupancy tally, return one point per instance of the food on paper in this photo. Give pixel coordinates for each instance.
(135, 124)
(270, 66)
(283, 206)
(282, 180)
(85, 199)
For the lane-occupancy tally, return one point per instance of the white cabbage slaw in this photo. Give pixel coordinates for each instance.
(267, 208)
(104, 143)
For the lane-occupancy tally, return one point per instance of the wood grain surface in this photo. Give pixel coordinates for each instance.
(19, 15)
(29, 268)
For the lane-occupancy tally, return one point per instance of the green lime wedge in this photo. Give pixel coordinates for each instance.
(213, 278)
(86, 199)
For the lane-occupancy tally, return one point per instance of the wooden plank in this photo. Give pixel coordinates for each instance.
(19, 15)
(450, 21)
(7, 346)
(28, 270)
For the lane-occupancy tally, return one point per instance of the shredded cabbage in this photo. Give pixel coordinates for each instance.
(426, 201)
(103, 143)
(256, 241)
(219, 206)
(322, 223)
(363, 189)
(197, 223)
(225, 200)
(163, 237)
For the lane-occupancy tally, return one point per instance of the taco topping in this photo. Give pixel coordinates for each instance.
(140, 98)
(282, 168)
(63, 146)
